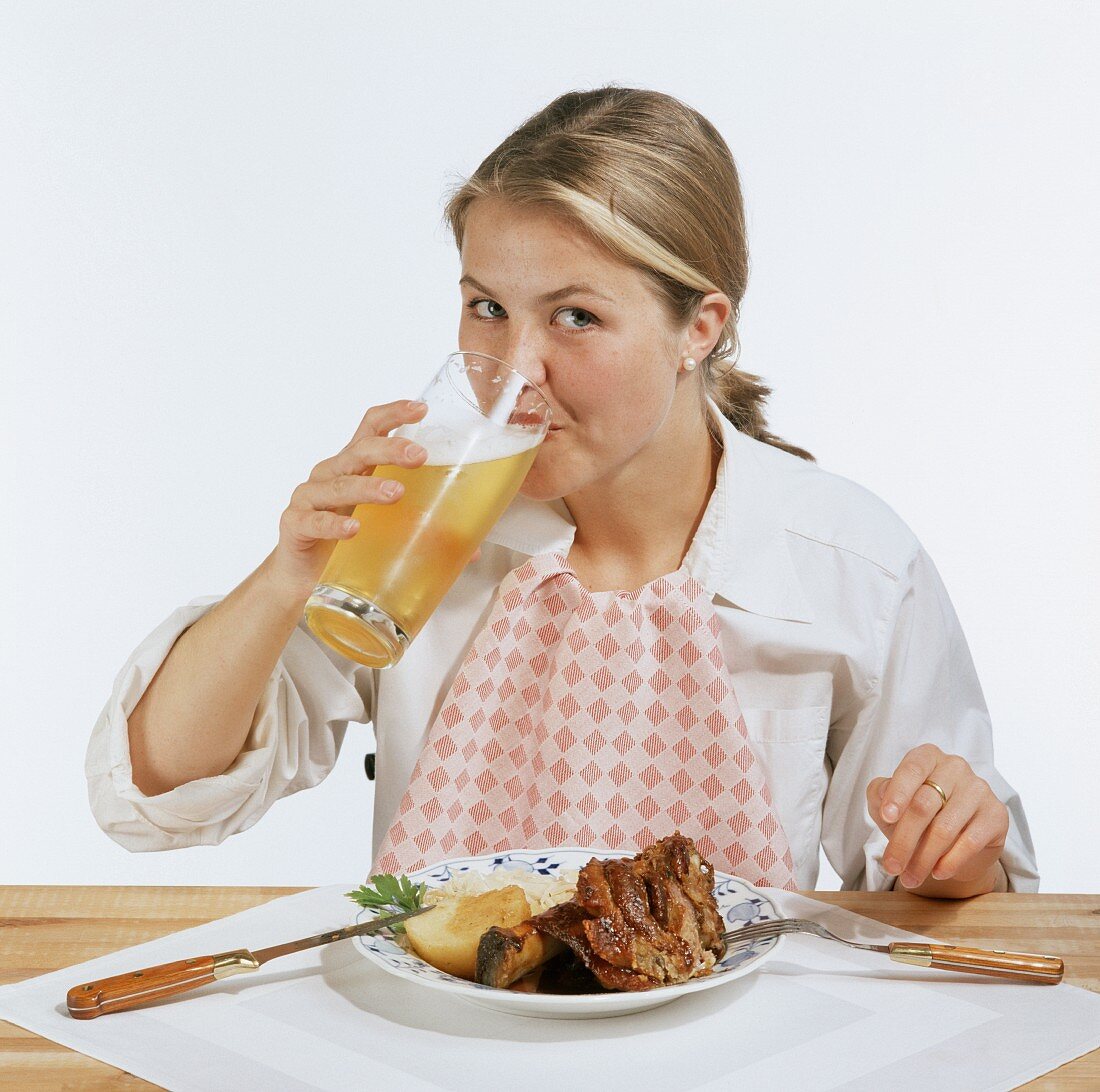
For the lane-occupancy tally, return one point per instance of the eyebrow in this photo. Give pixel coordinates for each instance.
(550, 297)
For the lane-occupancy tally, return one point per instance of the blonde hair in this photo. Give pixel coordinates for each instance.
(653, 182)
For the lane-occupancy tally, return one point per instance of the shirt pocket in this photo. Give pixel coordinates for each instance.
(790, 744)
(788, 725)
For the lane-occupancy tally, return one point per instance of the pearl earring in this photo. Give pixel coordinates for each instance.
(690, 364)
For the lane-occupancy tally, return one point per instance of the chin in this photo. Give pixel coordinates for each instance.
(536, 487)
(563, 467)
(549, 479)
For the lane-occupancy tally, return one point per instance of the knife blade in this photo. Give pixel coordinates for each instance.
(367, 928)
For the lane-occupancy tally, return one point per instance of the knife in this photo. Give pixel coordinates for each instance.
(127, 991)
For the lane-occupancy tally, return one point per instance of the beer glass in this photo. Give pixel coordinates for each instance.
(482, 430)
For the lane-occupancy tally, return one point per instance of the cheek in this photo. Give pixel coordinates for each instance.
(613, 410)
(620, 402)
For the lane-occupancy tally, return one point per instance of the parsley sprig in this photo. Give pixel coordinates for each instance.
(393, 894)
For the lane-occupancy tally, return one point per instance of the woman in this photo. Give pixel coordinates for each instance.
(603, 255)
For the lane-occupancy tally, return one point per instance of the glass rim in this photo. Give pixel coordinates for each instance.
(514, 370)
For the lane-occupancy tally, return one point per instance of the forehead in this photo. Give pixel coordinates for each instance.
(533, 250)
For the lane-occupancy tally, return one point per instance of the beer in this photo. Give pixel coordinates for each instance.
(408, 554)
(483, 428)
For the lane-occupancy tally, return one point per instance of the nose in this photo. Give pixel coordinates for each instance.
(527, 352)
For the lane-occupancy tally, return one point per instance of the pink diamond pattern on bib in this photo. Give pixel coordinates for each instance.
(595, 719)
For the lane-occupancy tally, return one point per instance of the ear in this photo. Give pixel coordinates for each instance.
(705, 330)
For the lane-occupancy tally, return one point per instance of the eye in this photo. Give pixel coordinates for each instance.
(576, 318)
(486, 309)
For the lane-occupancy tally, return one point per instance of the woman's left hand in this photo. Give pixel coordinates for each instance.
(930, 841)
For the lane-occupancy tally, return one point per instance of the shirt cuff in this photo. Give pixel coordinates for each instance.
(280, 756)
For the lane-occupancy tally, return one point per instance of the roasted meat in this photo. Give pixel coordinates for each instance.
(636, 922)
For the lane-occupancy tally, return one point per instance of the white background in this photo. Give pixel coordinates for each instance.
(220, 242)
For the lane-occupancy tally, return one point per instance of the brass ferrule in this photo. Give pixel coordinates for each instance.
(916, 955)
(230, 963)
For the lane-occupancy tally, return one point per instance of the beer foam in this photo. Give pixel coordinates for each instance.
(448, 447)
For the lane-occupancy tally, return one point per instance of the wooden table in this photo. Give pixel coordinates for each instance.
(46, 928)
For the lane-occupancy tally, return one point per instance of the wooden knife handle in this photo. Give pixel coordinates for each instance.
(127, 991)
(949, 957)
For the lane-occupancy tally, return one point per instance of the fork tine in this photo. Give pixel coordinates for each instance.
(773, 923)
(782, 925)
(761, 930)
(749, 930)
(746, 934)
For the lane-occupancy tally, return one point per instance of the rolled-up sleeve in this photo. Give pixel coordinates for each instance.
(293, 743)
(926, 691)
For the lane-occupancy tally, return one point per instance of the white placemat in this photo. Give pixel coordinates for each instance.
(818, 1016)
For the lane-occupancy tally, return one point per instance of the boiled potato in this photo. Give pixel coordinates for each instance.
(447, 937)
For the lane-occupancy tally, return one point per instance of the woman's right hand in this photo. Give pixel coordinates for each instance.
(319, 510)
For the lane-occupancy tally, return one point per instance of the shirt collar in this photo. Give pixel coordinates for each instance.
(740, 551)
(750, 564)
(534, 527)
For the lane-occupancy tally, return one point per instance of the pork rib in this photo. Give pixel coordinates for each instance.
(636, 922)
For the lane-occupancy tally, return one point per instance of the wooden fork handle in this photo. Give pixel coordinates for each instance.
(127, 991)
(949, 957)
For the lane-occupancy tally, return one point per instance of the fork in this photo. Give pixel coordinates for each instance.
(947, 957)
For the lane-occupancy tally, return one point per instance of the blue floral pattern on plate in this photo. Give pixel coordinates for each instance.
(739, 904)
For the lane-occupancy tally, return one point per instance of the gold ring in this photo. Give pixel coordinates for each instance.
(932, 785)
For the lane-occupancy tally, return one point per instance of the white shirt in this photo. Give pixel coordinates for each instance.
(842, 645)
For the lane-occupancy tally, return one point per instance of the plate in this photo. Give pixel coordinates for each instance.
(739, 904)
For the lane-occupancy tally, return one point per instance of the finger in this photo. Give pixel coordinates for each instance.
(342, 494)
(941, 834)
(923, 808)
(305, 526)
(371, 451)
(986, 832)
(379, 420)
(913, 769)
(874, 801)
